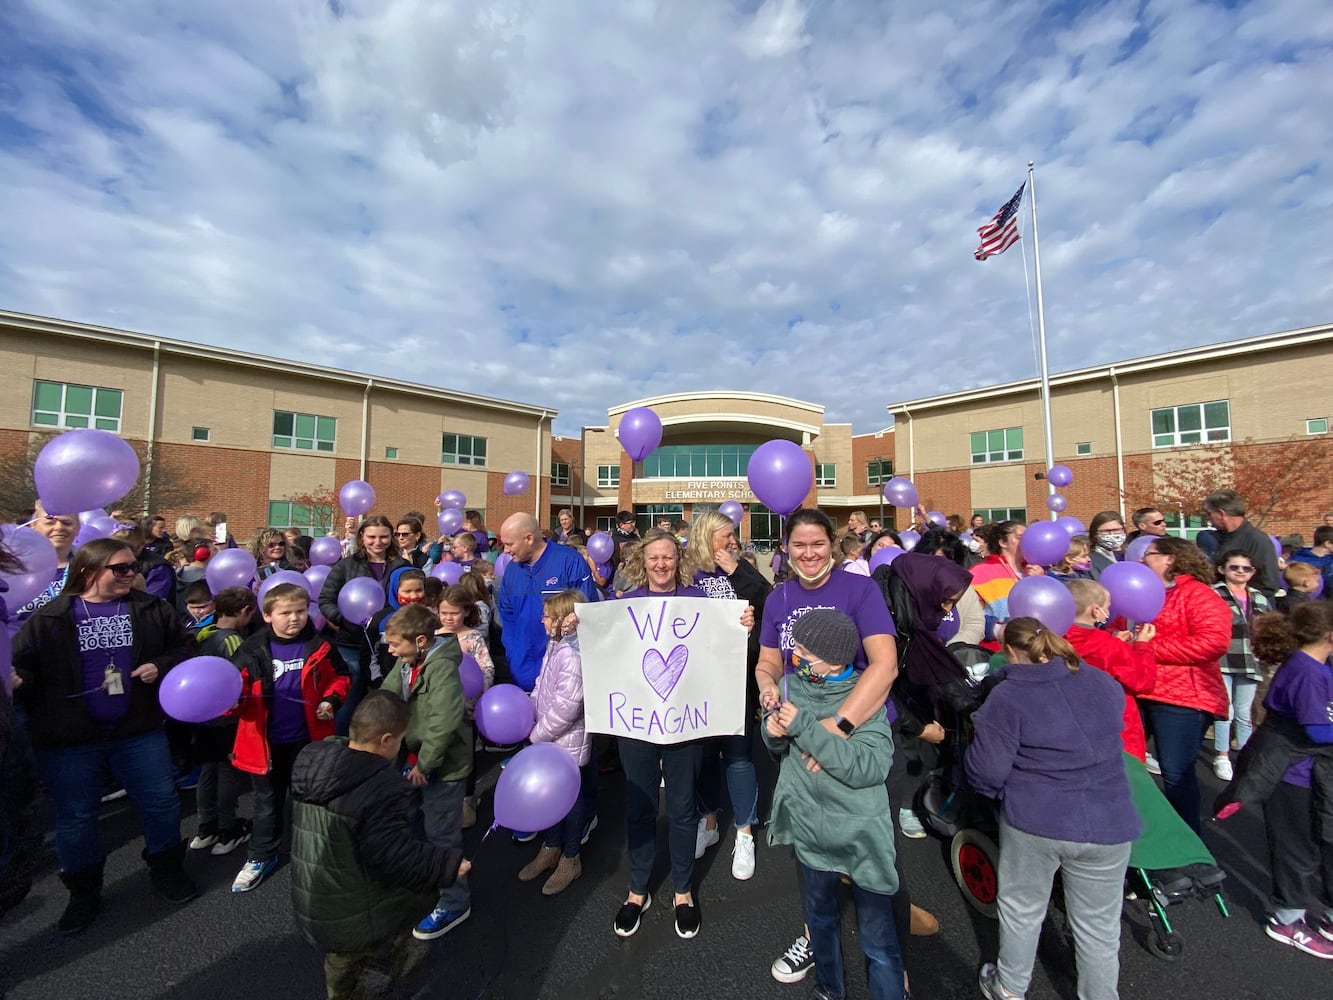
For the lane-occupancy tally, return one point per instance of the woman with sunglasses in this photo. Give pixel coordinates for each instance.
(87, 667)
(269, 547)
(1241, 672)
(408, 534)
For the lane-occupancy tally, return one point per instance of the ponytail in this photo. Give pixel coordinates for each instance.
(1275, 635)
(1040, 643)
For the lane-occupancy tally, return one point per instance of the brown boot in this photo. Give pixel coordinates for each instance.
(924, 923)
(566, 872)
(469, 812)
(545, 860)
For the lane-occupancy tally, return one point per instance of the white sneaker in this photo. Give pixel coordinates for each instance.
(1223, 769)
(705, 838)
(742, 856)
(252, 874)
(1151, 764)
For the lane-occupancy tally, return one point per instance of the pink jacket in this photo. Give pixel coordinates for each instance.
(558, 701)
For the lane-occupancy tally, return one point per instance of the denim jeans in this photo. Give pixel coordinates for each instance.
(73, 777)
(821, 899)
(1240, 695)
(645, 766)
(1178, 731)
(736, 753)
(568, 833)
(270, 802)
(356, 659)
(442, 824)
(1093, 876)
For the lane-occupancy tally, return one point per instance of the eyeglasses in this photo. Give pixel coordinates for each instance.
(121, 570)
(277, 545)
(1154, 552)
(1240, 569)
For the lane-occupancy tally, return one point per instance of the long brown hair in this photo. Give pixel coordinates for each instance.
(90, 559)
(1040, 643)
(461, 598)
(376, 521)
(1275, 636)
(1186, 559)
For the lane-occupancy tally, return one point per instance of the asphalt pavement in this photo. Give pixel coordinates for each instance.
(520, 945)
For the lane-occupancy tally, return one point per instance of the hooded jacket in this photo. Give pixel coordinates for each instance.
(437, 732)
(384, 661)
(349, 568)
(359, 874)
(557, 701)
(1193, 634)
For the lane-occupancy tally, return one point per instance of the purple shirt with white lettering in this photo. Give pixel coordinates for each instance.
(286, 721)
(106, 638)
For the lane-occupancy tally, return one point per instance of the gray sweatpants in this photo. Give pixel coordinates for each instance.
(1094, 879)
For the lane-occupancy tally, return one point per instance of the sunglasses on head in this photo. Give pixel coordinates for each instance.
(122, 570)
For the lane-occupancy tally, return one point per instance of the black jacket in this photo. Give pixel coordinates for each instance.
(1259, 547)
(46, 656)
(349, 568)
(1273, 747)
(359, 874)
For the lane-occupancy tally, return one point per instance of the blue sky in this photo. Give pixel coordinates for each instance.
(584, 204)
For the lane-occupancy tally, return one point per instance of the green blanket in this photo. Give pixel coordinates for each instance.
(1167, 841)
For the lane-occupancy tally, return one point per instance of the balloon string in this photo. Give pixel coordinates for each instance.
(26, 524)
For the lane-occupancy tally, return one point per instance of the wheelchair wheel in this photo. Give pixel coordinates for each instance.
(976, 870)
(1168, 947)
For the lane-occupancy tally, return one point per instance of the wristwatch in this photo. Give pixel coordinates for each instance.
(844, 724)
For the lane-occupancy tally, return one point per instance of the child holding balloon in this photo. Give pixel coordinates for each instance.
(557, 702)
(461, 616)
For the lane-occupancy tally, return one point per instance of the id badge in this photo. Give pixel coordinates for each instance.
(113, 682)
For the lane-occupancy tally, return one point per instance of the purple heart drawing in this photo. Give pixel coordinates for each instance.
(661, 674)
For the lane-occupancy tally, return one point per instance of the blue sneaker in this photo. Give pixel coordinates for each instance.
(439, 923)
(252, 874)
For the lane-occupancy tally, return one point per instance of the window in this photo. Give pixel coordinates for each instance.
(608, 475)
(463, 449)
(1319, 425)
(58, 404)
(1196, 423)
(303, 431)
(390, 452)
(313, 520)
(698, 461)
(199, 434)
(1083, 448)
(1004, 445)
(879, 471)
(559, 473)
(1187, 527)
(606, 523)
(996, 514)
(765, 527)
(647, 517)
(825, 474)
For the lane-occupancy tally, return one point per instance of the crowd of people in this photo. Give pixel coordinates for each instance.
(858, 662)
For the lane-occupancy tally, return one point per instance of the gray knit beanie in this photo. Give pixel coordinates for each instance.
(829, 635)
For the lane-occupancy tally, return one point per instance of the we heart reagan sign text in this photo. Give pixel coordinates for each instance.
(663, 669)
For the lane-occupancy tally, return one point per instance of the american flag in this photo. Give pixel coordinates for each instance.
(1001, 232)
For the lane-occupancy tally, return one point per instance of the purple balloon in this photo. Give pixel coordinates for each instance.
(285, 576)
(1059, 475)
(601, 547)
(1135, 549)
(502, 562)
(1277, 545)
(780, 474)
(230, 568)
(325, 551)
(604, 570)
(36, 569)
(901, 492)
(1056, 502)
(733, 510)
(199, 689)
(88, 516)
(937, 519)
(910, 537)
(470, 673)
(315, 576)
(1136, 591)
(1072, 525)
(448, 572)
(1045, 599)
(640, 432)
(452, 498)
(104, 526)
(884, 556)
(515, 483)
(356, 497)
(1044, 543)
(86, 534)
(82, 469)
(504, 715)
(316, 618)
(537, 788)
(450, 521)
(359, 599)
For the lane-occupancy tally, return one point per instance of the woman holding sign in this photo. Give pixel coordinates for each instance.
(654, 569)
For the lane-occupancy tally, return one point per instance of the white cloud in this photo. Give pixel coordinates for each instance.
(583, 204)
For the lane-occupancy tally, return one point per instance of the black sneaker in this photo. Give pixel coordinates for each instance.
(232, 837)
(627, 919)
(206, 837)
(687, 920)
(795, 963)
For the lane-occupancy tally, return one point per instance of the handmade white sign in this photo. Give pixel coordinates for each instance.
(663, 669)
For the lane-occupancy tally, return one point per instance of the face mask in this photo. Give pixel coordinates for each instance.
(805, 669)
(974, 544)
(818, 576)
(1082, 565)
(1111, 541)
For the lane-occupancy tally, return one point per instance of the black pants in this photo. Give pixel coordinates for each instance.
(1302, 868)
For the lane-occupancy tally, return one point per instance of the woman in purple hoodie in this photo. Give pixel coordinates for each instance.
(1047, 745)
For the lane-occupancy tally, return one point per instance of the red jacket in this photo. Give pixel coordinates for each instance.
(1132, 664)
(324, 677)
(1193, 634)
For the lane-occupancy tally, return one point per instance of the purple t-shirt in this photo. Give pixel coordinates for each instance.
(715, 584)
(1302, 692)
(858, 597)
(948, 626)
(377, 570)
(106, 638)
(286, 721)
(52, 591)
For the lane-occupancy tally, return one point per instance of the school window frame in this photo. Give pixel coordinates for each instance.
(304, 431)
(1083, 448)
(646, 517)
(1190, 423)
(462, 449)
(608, 476)
(559, 473)
(70, 404)
(1316, 425)
(826, 474)
(606, 522)
(390, 452)
(990, 447)
(199, 434)
(994, 515)
(879, 471)
(284, 514)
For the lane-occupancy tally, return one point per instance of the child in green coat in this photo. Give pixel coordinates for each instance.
(836, 816)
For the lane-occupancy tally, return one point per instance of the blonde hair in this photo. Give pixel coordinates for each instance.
(1079, 547)
(1300, 574)
(699, 546)
(189, 527)
(1041, 644)
(561, 604)
(260, 540)
(637, 573)
(1086, 593)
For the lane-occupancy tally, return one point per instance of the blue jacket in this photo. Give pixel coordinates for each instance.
(519, 604)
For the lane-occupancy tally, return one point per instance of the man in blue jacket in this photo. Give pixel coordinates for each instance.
(539, 569)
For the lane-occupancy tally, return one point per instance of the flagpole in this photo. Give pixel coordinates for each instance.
(1041, 335)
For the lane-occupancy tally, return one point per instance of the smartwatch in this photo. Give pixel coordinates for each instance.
(844, 724)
